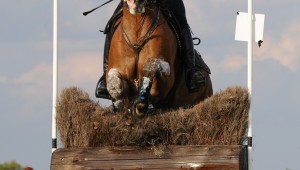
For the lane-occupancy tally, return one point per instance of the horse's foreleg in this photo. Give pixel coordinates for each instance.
(155, 68)
(159, 70)
(117, 87)
(141, 103)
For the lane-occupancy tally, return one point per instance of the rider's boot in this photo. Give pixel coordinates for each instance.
(101, 90)
(194, 77)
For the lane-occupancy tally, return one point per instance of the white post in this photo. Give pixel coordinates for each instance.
(250, 51)
(55, 53)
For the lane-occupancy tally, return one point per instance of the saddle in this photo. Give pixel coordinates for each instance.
(173, 23)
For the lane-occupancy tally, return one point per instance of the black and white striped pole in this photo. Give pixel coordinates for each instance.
(55, 75)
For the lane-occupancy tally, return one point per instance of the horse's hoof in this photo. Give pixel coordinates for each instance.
(139, 109)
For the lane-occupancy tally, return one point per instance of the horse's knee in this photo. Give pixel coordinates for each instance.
(115, 85)
(156, 68)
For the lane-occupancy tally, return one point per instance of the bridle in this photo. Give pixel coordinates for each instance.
(137, 47)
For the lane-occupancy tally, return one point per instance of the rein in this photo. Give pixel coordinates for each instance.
(139, 46)
(87, 12)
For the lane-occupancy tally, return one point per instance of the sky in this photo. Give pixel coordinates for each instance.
(26, 70)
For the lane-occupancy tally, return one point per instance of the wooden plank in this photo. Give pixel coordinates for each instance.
(171, 157)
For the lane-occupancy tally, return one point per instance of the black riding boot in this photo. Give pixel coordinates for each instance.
(194, 77)
(101, 90)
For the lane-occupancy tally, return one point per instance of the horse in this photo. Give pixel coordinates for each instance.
(145, 68)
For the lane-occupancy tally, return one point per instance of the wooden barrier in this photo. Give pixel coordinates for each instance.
(171, 157)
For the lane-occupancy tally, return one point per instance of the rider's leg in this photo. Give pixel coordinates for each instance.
(101, 85)
(101, 89)
(194, 77)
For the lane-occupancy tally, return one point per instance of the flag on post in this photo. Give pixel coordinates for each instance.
(242, 27)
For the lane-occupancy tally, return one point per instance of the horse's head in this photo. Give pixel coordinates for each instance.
(136, 6)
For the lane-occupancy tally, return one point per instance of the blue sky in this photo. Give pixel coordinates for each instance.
(26, 70)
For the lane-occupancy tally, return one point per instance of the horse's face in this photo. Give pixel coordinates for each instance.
(136, 6)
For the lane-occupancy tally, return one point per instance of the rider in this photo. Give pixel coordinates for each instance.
(194, 77)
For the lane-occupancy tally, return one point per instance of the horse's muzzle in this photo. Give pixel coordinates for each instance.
(136, 6)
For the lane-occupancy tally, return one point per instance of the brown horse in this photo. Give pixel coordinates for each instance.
(144, 63)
